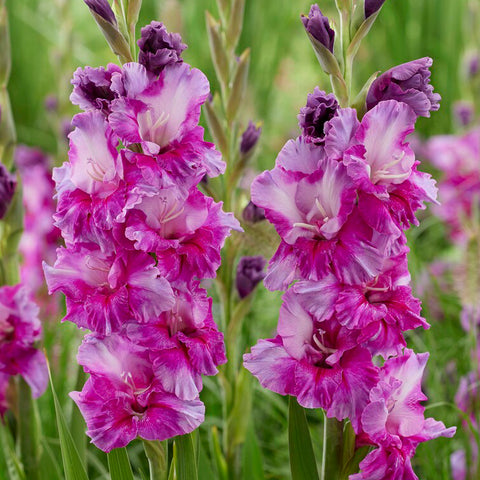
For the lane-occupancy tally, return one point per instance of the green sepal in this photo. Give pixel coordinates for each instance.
(239, 85)
(115, 38)
(359, 103)
(217, 49)
(235, 23)
(360, 34)
(215, 127)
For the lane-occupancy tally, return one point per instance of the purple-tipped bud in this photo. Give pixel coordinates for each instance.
(7, 189)
(317, 25)
(253, 214)
(408, 83)
(463, 112)
(103, 9)
(319, 110)
(372, 6)
(249, 138)
(91, 87)
(158, 48)
(249, 274)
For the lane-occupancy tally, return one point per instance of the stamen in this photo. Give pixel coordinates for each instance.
(306, 226)
(320, 207)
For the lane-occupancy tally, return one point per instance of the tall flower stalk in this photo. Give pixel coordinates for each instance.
(237, 277)
(139, 238)
(341, 197)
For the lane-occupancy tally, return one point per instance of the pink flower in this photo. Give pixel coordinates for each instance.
(122, 399)
(394, 419)
(163, 115)
(40, 237)
(318, 362)
(20, 329)
(186, 230)
(104, 291)
(184, 342)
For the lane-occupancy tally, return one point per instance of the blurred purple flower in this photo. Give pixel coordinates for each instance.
(249, 274)
(317, 25)
(158, 48)
(408, 83)
(7, 189)
(249, 138)
(320, 108)
(463, 112)
(51, 103)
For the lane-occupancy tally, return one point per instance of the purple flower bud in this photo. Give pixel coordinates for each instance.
(372, 6)
(249, 138)
(158, 48)
(103, 9)
(473, 65)
(253, 214)
(317, 25)
(7, 189)
(91, 87)
(463, 112)
(51, 103)
(408, 83)
(319, 110)
(249, 274)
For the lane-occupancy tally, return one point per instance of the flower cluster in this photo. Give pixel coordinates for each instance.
(139, 237)
(341, 197)
(20, 330)
(40, 237)
(458, 157)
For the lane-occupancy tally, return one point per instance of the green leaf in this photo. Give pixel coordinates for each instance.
(119, 465)
(302, 459)
(205, 470)
(186, 462)
(74, 469)
(252, 457)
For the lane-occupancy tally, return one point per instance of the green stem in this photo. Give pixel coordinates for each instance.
(157, 459)
(333, 429)
(29, 431)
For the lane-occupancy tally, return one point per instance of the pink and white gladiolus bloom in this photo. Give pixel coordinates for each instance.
(139, 237)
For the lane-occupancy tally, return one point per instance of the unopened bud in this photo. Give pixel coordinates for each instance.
(103, 9)
(249, 138)
(7, 189)
(253, 214)
(318, 26)
(249, 274)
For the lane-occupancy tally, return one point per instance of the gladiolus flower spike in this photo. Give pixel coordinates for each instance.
(139, 237)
